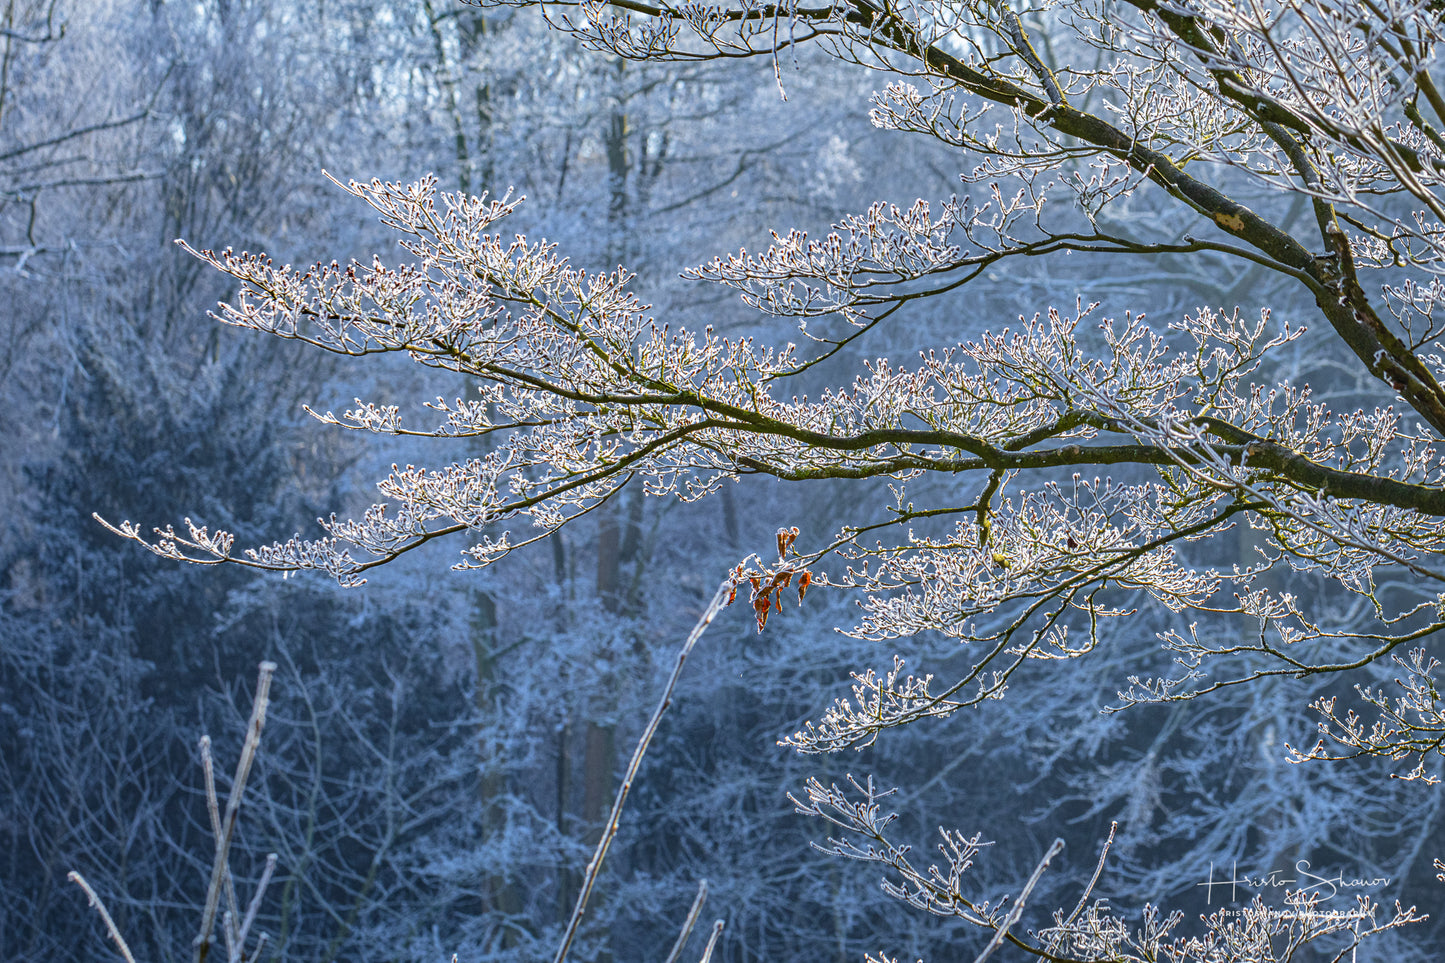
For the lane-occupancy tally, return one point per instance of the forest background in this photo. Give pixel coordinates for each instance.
(443, 747)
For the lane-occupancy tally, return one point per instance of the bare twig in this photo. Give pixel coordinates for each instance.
(213, 808)
(99, 905)
(224, 829)
(72, 134)
(251, 911)
(595, 865)
(690, 922)
(1098, 871)
(1018, 908)
(233, 807)
(717, 929)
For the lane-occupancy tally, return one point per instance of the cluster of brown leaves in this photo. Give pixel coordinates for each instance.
(768, 585)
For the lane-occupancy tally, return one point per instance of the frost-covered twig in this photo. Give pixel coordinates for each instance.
(221, 884)
(1410, 726)
(614, 819)
(717, 928)
(1017, 912)
(99, 905)
(689, 923)
(225, 826)
(1256, 933)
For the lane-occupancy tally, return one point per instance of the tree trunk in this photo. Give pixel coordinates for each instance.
(498, 894)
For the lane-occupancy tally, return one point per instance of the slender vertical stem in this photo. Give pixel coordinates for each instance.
(717, 929)
(1015, 914)
(690, 922)
(233, 808)
(595, 866)
(255, 906)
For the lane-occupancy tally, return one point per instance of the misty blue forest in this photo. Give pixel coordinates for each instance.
(743, 481)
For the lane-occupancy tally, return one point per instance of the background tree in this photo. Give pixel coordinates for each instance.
(413, 794)
(121, 126)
